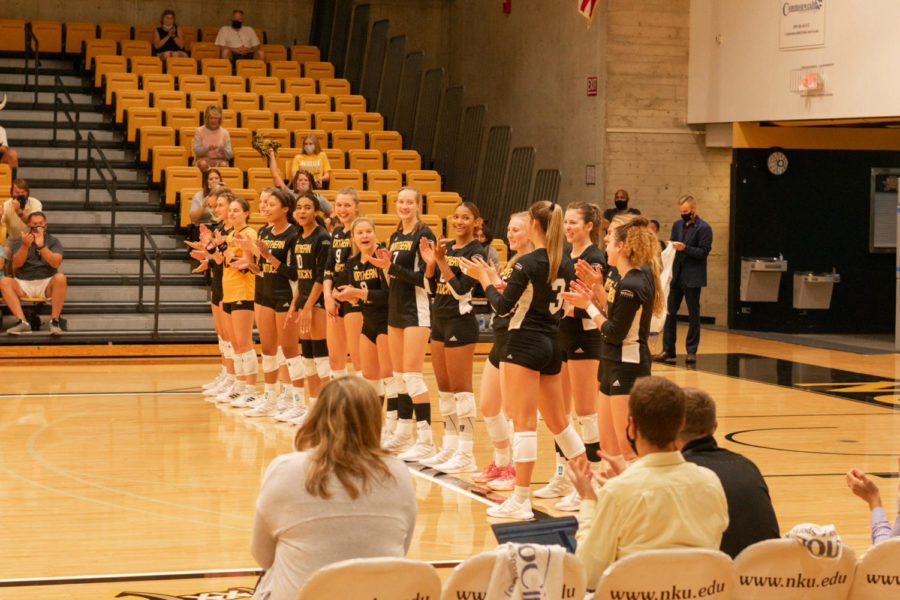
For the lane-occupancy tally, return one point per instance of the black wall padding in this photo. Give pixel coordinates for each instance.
(374, 63)
(518, 185)
(340, 34)
(356, 47)
(390, 79)
(448, 135)
(320, 26)
(408, 97)
(493, 172)
(468, 150)
(546, 184)
(427, 115)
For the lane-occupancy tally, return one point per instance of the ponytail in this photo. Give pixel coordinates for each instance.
(641, 247)
(549, 216)
(590, 213)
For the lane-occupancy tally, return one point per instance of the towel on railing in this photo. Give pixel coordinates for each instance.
(533, 568)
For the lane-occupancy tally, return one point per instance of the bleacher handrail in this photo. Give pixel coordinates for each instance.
(144, 257)
(110, 184)
(57, 106)
(30, 39)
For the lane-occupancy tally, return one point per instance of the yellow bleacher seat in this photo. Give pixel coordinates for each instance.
(145, 65)
(385, 225)
(250, 68)
(12, 35)
(370, 202)
(149, 136)
(233, 177)
(128, 99)
(200, 100)
(181, 117)
(335, 157)
(350, 103)
(94, 47)
(283, 69)
(365, 160)
(208, 33)
(300, 134)
(140, 116)
(257, 119)
(192, 83)
(283, 136)
(367, 122)
(403, 160)
(348, 139)
(129, 48)
(186, 138)
(204, 51)
(229, 84)
(385, 140)
(383, 180)
(274, 52)
(330, 121)
(334, 87)
(162, 157)
(302, 54)
(246, 158)
(264, 85)
(178, 178)
(215, 67)
(157, 82)
(278, 103)
(285, 158)
(241, 137)
(190, 33)
(242, 101)
(184, 208)
(108, 63)
(426, 182)
(5, 178)
(300, 86)
(435, 223)
(344, 177)
(144, 32)
(115, 31)
(502, 250)
(441, 204)
(181, 65)
(259, 178)
(49, 35)
(229, 119)
(77, 33)
(318, 70)
(118, 81)
(316, 103)
(168, 99)
(330, 195)
(250, 195)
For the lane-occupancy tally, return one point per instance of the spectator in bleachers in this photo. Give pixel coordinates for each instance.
(660, 500)
(302, 182)
(168, 39)
(621, 208)
(36, 256)
(751, 517)
(860, 484)
(212, 143)
(17, 209)
(339, 496)
(201, 211)
(8, 156)
(236, 41)
(313, 160)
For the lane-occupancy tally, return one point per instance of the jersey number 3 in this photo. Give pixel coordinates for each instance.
(558, 286)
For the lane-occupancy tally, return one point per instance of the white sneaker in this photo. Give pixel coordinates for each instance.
(571, 503)
(267, 407)
(217, 389)
(298, 420)
(557, 487)
(214, 383)
(460, 462)
(292, 413)
(255, 402)
(441, 457)
(419, 451)
(285, 402)
(398, 443)
(243, 400)
(227, 395)
(512, 510)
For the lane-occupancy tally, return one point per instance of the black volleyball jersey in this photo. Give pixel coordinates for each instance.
(500, 323)
(341, 247)
(274, 282)
(534, 303)
(580, 321)
(311, 254)
(215, 269)
(407, 272)
(629, 310)
(454, 298)
(365, 275)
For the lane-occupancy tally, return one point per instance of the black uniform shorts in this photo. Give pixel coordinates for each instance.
(454, 332)
(534, 350)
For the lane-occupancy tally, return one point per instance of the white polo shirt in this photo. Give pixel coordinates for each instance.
(230, 37)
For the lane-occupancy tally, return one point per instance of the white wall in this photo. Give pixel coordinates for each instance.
(747, 77)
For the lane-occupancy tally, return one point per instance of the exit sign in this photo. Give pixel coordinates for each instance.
(591, 86)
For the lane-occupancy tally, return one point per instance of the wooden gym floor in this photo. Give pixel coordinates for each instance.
(114, 465)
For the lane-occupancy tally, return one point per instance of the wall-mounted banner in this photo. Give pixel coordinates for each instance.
(802, 24)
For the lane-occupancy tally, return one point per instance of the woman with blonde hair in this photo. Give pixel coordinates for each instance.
(339, 496)
(212, 142)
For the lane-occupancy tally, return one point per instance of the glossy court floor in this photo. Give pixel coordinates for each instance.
(117, 466)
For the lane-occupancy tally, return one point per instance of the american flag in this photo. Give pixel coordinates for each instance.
(586, 8)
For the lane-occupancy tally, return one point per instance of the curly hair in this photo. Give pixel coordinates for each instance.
(642, 248)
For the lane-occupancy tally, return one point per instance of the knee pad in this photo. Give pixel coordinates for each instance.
(589, 429)
(251, 365)
(465, 405)
(238, 363)
(447, 403)
(228, 351)
(306, 348)
(338, 373)
(323, 366)
(391, 388)
(415, 384)
(269, 363)
(525, 446)
(319, 348)
(295, 368)
(309, 366)
(279, 356)
(377, 386)
(222, 345)
(569, 442)
(496, 428)
(400, 383)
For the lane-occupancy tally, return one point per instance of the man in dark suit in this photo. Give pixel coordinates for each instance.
(692, 239)
(751, 517)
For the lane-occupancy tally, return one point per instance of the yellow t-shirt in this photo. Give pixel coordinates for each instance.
(317, 165)
(238, 286)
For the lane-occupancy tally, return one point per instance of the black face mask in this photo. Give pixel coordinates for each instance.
(631, 440)
(687, 218)
(22, 199)
(236, 24)
(621, 204)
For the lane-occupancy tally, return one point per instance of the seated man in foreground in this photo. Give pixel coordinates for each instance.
(660, 501)
(35, 256)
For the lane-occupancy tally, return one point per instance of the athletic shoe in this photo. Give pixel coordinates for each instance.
(571, 503)
(512, 510)
(292, 413)
(20, 328)
(299, 419)
(492, 471)
(418, 451)
(266, 408)
(443, 456)
(55, 329)
(398, 443)
(557, 487)
(506, 481)
(285, 401)
(243, 400)
(227, 395)
(214, 383)
(460, 462)
(218, 388)
(257, 401)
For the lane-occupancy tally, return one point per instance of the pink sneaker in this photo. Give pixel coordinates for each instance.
(505, 481)
(492, 471)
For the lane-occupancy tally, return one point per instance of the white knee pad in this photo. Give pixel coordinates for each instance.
(309, 366)
(295, 367)
(400, 383)
(524, 446)
(251, 365)
(465, 405)
(377, 386)
(447, 403)
(415, 384)
(391, 387)
(589, 429)
(279, 356)
(338, 373)
(496, 428)
(323, 367)
(222, 345)
(569, 442)
(269, 363)
(228, 351)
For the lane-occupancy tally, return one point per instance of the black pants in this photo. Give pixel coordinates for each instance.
(691, 296)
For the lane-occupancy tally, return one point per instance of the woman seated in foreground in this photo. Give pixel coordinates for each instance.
(339, 496)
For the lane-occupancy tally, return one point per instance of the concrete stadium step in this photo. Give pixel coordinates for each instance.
(112, 154)
(118, 293)
(86, 116)
(120, 266)
(19, 134)
(89, 217)
(69, 173)
(46, 63)
(72, 195)
(27, 97)
(71, 241)
(174, 322)
(44, 80)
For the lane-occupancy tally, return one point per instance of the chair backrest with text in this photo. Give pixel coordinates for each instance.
(878, 572)
(367, 578)
(673, 573)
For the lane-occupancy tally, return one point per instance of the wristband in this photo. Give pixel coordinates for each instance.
(593, 312)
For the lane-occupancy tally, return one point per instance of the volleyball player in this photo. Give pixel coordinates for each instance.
(501, 474)
(454, 331)
(308, 308)
(624, 321)
(533, 356)
(409, 325)
(580, 341)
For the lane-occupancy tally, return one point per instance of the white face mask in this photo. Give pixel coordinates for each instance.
(309, 148)
(168, 27)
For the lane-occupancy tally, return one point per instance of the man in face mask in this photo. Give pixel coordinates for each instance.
(621, 208)
(660, 500)
(236, 41)
(692, 239)
(17, 209)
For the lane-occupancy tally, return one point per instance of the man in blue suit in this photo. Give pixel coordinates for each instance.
(692, 239)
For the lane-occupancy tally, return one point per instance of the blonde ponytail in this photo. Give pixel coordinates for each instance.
(549, 217)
